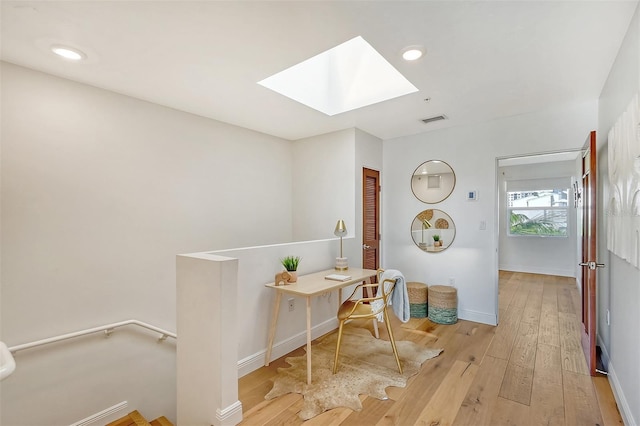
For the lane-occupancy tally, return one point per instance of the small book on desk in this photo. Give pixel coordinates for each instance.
(338, 277)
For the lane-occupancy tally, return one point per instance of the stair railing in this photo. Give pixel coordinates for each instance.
(106, 329)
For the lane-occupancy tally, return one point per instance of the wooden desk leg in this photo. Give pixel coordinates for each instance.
(272, 328)
(309, 340)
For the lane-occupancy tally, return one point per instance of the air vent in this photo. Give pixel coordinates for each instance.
(432, 119)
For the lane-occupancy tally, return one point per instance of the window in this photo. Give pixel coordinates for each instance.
(541, 212)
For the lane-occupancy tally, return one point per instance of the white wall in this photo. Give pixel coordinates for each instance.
(99, 193)
(538, 255)
(472, 152)
(321, 165)
(619, 281)
(258, 265)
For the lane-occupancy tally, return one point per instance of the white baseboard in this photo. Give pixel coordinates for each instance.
(231, 415)
(105, 416)
(255, 361)
(481, 317)
(538, 270)
(621, 400)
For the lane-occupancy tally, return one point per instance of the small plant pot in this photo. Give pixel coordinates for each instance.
(294, 276)
(437, 243)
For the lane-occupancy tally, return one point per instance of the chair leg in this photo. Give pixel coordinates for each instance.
(375, 328)
(335, 360)
(393, 342)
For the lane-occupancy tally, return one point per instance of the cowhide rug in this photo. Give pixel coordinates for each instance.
(366, 366)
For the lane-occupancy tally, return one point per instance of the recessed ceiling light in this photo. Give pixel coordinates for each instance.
(68, 52)
(412, 53)
(349, 76)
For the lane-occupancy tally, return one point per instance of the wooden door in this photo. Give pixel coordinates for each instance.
(370, 219)
(587, 205)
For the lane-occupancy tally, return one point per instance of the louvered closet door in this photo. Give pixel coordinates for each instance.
(371, 219)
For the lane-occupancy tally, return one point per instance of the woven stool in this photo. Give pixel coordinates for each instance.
(443, 304)
(418, 294)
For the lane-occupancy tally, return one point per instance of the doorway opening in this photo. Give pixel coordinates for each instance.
(538, 223)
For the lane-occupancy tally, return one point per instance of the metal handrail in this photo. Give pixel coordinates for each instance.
(107, 329)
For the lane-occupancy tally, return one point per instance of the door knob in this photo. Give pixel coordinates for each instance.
(592, 265)
(364, 246)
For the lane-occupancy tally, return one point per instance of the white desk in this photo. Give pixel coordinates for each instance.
(309, 286)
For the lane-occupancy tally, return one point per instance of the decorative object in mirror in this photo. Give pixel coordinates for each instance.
(341, 231)
(433, 230)
(433, 181)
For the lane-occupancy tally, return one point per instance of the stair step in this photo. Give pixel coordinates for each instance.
(161, 421)
(134, 418)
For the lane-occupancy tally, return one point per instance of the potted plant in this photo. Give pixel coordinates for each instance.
(290, 263)
(436, 240)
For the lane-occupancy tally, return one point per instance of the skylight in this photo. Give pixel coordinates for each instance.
(349, 76)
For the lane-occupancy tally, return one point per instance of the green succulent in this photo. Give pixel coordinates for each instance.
(290, 263)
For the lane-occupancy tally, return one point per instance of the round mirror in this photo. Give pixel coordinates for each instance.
(433, 181)
(433, 230)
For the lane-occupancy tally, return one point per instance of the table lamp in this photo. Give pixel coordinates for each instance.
(341, 231)
(425, 225)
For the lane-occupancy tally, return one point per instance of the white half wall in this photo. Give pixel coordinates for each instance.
(207, 379)
(257, 266)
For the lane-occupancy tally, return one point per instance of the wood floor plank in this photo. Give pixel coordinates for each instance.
(565, 301)
(531, 312)
(606, 402)
(474, 341)
(443, 407)
(505, 333)
(517, 384)
(580, 402)
(549, 332)
(523, 353)
(372, 410)
(480, 401)
(421, 388)
(547, 399)
(505, 294)
(509, 413)
(572, 356)
(520, 298)
(266, 411)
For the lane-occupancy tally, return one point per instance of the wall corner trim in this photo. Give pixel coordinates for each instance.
(231, 415)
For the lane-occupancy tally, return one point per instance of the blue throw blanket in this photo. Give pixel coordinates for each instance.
(399, 300)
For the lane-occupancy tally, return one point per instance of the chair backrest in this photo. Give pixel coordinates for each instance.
(385, 288)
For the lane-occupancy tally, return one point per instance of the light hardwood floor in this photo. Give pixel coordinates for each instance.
(529, 370)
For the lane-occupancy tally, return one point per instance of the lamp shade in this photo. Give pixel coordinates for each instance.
(341, 229)
(426, 224)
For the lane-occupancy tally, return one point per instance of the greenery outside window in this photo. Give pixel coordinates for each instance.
(542, 212)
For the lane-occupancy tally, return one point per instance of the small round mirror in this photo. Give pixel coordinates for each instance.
(433, 181)
(433, 230)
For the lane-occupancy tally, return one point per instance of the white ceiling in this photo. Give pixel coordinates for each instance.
(485, 59)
